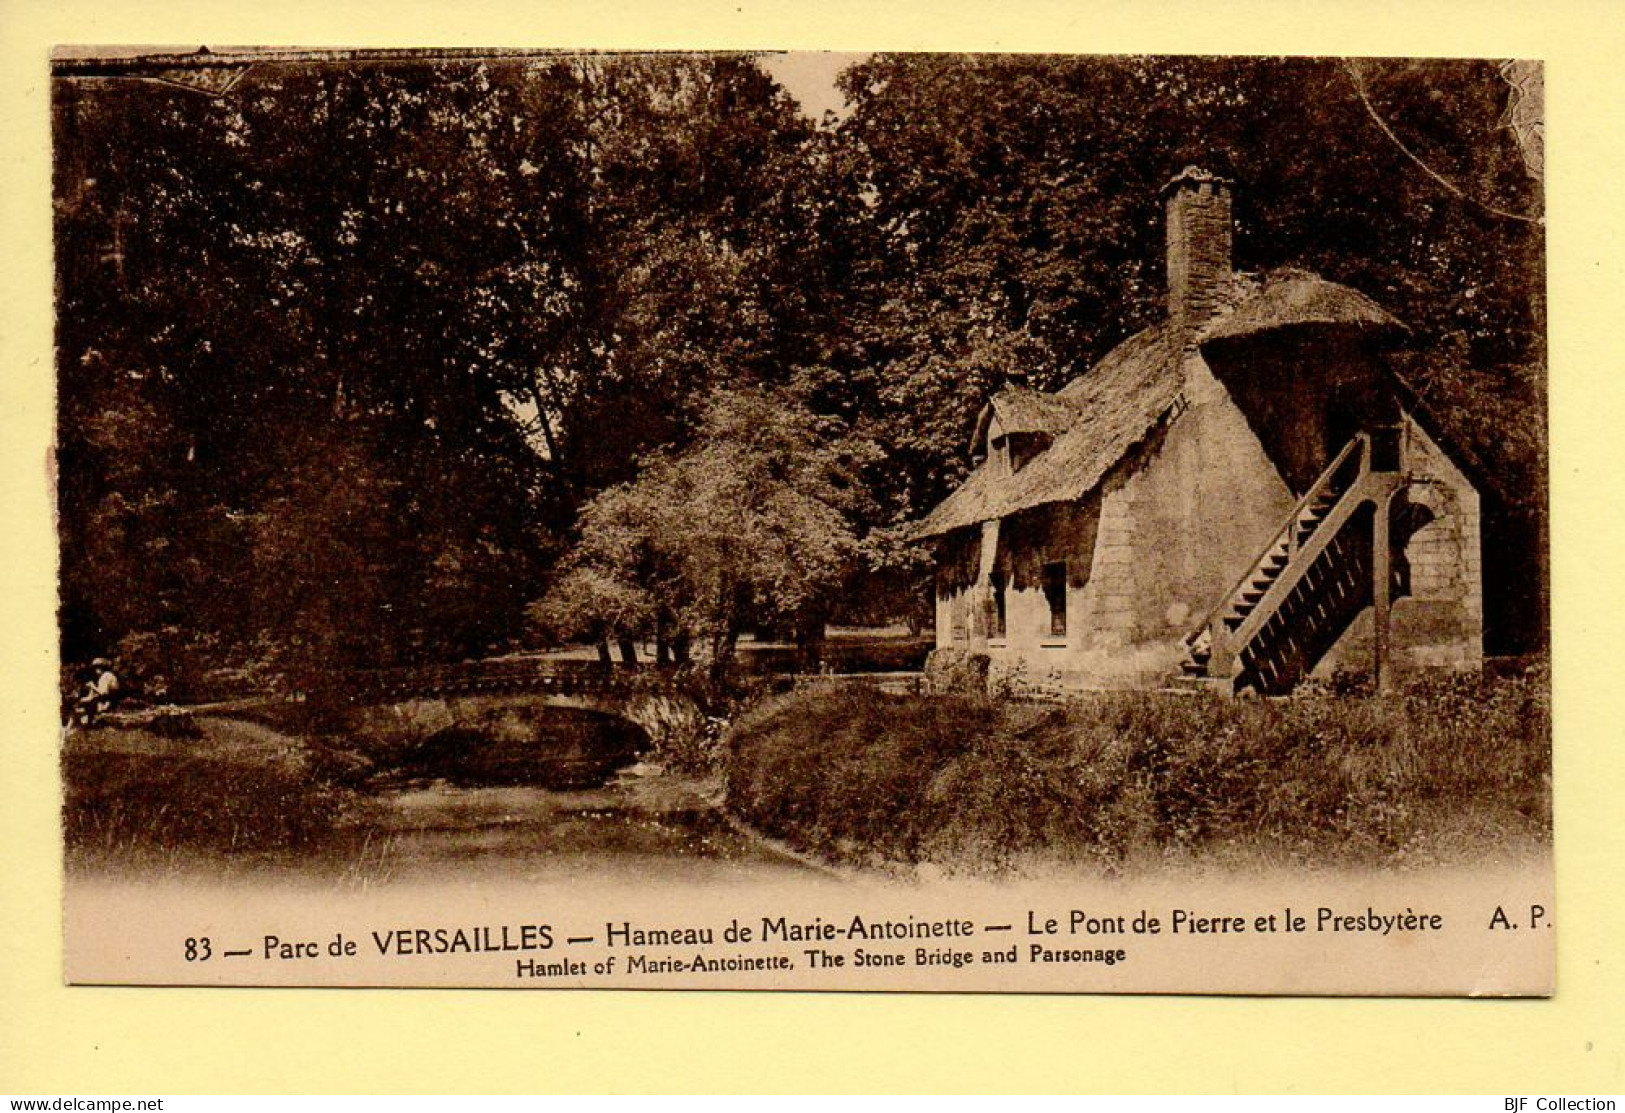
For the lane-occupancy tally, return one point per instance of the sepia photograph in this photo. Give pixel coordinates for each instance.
(852, 521)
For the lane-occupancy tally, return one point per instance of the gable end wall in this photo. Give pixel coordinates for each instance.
(1438, 619)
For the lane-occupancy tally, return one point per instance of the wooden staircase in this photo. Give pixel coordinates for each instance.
(1310, 582)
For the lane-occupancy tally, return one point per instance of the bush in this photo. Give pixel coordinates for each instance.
(685, 739)
(847, 769)
(957, 672)
(686, 712)
(1452, 766)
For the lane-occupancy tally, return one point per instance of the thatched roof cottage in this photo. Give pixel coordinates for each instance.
(1232, 498)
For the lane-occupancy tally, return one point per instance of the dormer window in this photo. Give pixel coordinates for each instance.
(1017, 426)
(1015, 451)
(1021, 448)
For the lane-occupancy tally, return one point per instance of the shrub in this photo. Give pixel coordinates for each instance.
(685, 739)
(957, 672)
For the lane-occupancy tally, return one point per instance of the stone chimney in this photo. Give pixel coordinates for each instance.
(1198, 208)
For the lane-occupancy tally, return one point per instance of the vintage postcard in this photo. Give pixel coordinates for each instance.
(928, 522)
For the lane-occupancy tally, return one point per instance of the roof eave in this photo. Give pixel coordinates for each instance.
(1381, 335)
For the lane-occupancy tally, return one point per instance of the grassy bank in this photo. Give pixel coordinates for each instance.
(1445, 771)
(170, 791)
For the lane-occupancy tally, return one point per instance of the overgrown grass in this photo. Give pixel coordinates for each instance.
(143, 802)
(1452, 767)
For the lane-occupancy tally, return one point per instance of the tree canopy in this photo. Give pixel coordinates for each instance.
(755, 522)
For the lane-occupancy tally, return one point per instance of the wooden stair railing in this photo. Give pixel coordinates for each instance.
(1238, 643)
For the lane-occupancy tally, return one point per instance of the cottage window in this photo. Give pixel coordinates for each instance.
(996, 609)
(958, 624)
(1055, 597)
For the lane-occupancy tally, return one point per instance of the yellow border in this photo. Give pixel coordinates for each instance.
(56, 1040)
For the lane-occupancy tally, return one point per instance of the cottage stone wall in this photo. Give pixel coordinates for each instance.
(1438, 613)
(1178, 526)
(1168, 533)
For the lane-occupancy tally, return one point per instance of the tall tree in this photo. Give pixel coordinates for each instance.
(473, 292)
(328, 258)
(717, 265)
(756, 522)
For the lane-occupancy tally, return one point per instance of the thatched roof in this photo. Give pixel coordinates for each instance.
(1101, 415)
(1117, 404)
(1291, 298)
(1021, 410)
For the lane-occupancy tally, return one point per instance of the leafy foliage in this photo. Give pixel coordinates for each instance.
(754, 523)
(338, 349)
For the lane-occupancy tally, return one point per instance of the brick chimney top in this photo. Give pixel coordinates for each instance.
(1194, 177)
(1199, 230)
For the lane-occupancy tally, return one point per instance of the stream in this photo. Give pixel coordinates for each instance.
(643, 825)
(480, 790)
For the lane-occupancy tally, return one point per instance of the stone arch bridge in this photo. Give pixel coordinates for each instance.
(584, 685)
